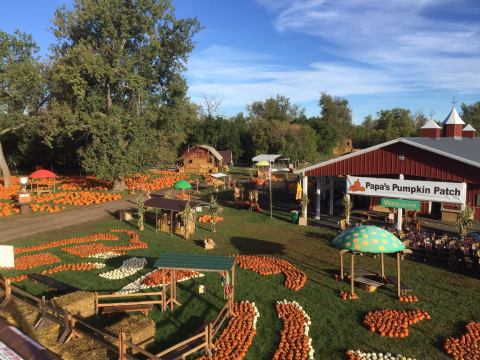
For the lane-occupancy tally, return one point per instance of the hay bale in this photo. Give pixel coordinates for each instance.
(79, 303)
(24, 317)
(140, 330)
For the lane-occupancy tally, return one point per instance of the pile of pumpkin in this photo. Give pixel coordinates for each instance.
(85, 198)
(408, 298)
(150, 183)
(87, 250)
(35, 260)
(265, 265)
(46, 208)
(209, 218)
(393, 323)
(347, 295)
(295, 342)
(60, 268)
(8, 192)
(84, 183)
(76, 240)
(467, 347)
(7, 209)
(236, 338)
(182, 196)
(156, 278)
(360, 355)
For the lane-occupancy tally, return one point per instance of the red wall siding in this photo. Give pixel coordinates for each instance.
(418, 163)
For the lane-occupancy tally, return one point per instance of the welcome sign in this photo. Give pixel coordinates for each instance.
(455, 193)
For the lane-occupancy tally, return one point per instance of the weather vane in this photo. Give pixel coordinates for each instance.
(454, 101)
(431, 114)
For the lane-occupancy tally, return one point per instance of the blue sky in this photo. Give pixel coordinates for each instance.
(378, 54)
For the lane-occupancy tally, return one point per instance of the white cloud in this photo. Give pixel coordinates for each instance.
(388, 46)
(240, 78)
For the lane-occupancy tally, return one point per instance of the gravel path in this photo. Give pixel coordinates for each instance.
(20, 226)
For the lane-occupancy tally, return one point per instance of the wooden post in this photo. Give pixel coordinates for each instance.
(398, 274)
(341, 265)
(383, 266)
(122, 350)
(8, 292)
(96, 302)
(41, 317)
(232, 295)
(171, 223)
(66, 328)
(164, 292)
(352, 275)
(172, 275)
(156, 221)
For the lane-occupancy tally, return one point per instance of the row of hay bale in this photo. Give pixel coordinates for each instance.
(138, 329)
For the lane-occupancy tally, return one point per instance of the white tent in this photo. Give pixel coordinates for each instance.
(266, 157)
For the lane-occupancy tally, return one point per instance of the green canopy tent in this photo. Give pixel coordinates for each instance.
(183, 184)
(369, 239)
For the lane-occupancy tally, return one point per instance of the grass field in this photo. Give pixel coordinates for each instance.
(451, 299)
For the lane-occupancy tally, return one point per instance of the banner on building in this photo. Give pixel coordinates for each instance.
(447, 192)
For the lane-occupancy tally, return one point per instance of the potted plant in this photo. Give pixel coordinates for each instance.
(141, 211)
(188, 217)
(304, 206)
(347, 207)
(465, 218)
(215, 210)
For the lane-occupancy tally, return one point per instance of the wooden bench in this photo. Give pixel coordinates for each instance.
(143, 308)
(52, 283)
(367, 284)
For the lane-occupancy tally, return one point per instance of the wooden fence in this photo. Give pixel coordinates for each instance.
(72, 325)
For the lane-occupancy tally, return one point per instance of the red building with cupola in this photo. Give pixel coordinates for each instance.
(447, 152)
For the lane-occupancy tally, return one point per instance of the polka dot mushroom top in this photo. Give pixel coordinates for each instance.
(369, 239)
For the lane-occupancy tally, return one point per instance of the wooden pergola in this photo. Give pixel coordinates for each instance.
(369, 239)
(171, 205)
(173, 262)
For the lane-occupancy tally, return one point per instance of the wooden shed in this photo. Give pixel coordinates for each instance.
(201, 159)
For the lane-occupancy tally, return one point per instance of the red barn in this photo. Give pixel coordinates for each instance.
(201, 159)
(450, 153)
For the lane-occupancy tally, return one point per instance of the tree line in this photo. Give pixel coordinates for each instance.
(111, 100)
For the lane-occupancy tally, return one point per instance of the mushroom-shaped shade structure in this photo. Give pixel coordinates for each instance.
(263, 163)
(182, 184)
(368, 239)
(42, 174)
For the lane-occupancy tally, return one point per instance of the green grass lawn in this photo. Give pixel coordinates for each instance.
(336, 326)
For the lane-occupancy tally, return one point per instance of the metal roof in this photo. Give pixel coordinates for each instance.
(212, 150)
(194, 262)
(266, 157)
(159, 202)
(466, 150)
(469, 128)
(453, 118)
(430, 124)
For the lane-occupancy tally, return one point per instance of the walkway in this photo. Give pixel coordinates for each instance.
(26, 225)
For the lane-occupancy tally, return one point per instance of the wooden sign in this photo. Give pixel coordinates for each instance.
(7, 259)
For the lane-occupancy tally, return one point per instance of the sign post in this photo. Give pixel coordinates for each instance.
(269, 176)
(400, 212)
(410, 205)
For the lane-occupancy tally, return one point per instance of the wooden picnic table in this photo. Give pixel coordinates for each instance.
(368, 284)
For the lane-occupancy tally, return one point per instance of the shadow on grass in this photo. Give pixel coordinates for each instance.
(257, 247)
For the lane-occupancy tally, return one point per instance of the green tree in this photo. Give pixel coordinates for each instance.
(336, 113)
(471, 114)
(117, 66)
(22, 90)
(274, 109)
